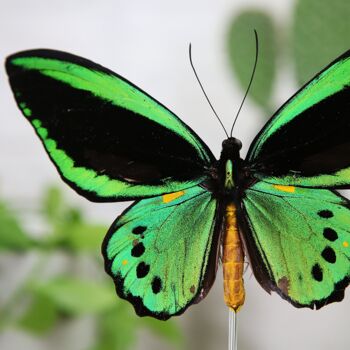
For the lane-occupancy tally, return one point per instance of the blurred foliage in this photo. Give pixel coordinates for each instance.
(241, 49)
(319, 33)
(49, 302)
(12, 236)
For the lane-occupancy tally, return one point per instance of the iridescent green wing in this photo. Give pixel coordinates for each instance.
(162, 252)
(307, 141)
(108, 139)
(298, 240)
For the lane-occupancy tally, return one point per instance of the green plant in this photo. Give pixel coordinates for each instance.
(47, 302)
(318, 34)
(241, 50)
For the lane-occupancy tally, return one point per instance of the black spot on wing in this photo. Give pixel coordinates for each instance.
(317, 273)
(329, 255)
(156, 285)
(139, 230)
(330, 234)
(138, 250)
(326, 214)
(142, 270)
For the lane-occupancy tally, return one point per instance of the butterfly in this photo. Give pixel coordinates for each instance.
(110, 141)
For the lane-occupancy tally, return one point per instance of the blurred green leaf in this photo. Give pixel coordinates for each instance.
(116, 322)
(56, 210)
(168, 330)
(241, 46)
(320, 33)
(85, 237)
(77, 297)
(53, 206)
(12, 236)
(117, 328)
(40, 317)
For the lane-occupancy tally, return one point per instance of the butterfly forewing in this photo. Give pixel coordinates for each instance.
(307, 141)
(108, 139)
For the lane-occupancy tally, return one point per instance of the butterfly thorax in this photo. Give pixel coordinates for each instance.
(229, 168)
(230, 165)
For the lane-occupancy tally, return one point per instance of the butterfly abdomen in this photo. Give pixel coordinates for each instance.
(232, 261)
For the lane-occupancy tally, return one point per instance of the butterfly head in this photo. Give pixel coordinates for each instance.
(230, 151)
(231, 146)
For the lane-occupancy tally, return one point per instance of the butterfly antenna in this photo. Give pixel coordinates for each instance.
(200, 84)
(251, 78)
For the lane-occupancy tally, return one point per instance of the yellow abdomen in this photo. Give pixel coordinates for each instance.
(232, 261)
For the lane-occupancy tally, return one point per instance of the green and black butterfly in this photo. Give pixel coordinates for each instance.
(110, 141)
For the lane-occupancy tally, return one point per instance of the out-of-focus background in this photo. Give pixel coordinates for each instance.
(53, 291)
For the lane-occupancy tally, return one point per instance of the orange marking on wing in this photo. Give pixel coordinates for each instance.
(124, 262)
(172, 196)
(345, 244)
(290, 189)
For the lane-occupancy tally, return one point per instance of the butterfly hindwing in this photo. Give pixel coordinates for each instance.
(306, 143)
(108, 139)
(162, 252)
(298, 240)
